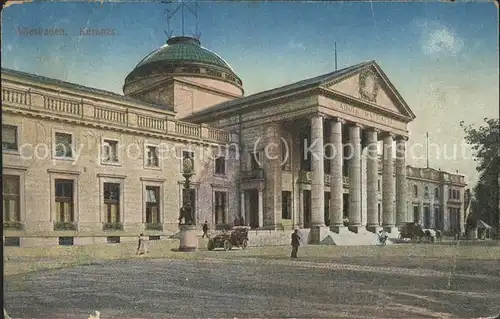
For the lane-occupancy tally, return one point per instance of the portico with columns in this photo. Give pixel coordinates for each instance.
(317, 142)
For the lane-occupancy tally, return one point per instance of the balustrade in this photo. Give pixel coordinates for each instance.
(151, 122)
(110, 115)
(15, 96)
(188, 129)
(218, 135)
(62, 105)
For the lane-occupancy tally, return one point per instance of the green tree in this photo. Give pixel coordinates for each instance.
(485, 143)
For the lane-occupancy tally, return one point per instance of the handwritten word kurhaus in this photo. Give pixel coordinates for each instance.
(26, 31)
(97, 32)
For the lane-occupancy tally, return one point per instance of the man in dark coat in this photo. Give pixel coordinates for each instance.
(205, 230)
(295, 243)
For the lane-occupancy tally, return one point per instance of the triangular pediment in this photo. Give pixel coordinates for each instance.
(368, 83)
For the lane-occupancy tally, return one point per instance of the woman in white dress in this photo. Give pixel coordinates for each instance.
(141, 245)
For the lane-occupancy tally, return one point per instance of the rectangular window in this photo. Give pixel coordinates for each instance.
(449, 193)
(12, 241)
(112, 202)
(11, 198)
(220, 165)
(152, 156)
(415, 191)
(436, 193)
(110, 151)
(153, 205)
(64, 200)
(66, 241)
(220, 207)
(9, 138)
(64, 145)
(378, 185)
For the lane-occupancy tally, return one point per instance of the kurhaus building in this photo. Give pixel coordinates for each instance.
(83, 165)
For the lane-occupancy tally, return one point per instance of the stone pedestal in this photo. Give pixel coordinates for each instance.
(187, 238)
(317, 234)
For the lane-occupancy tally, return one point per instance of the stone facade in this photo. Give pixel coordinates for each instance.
(113, 141)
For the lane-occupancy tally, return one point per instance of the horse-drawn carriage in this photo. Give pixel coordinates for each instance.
(416, 232)
(237, 237)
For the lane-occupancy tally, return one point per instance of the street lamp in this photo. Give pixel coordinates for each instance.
(187, 208)
(187, 224)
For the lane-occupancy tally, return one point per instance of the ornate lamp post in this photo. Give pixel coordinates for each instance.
(187, 206)
(187, 222)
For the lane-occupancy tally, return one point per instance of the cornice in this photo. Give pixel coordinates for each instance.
(99, 125)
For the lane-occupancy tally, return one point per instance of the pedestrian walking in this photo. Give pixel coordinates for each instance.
(205, 230)
(295, 243)
(141, 245)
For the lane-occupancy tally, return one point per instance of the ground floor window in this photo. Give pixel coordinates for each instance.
(11, 198)
(112, 202)
(64, 198)
(153, 205)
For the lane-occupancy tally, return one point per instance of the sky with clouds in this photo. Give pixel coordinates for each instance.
(442, 57)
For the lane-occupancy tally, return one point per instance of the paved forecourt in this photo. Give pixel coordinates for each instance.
(399, 281)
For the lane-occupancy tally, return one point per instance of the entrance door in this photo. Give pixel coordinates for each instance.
(327, 208)
(286, 205)
(253, 196)
(427, 217)
(307, 209)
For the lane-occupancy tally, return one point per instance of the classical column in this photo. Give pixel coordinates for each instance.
(355, 176)
(318, 173)
(372, 221)
(336, 178)
(272, 169)
(261, 208)
(400, 180)
(388, 182)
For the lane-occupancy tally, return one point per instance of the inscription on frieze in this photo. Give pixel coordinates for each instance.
(364, 114)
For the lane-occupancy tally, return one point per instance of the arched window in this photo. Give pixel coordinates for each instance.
(426, 192)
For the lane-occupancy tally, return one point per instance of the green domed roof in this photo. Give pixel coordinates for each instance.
(185, 49)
